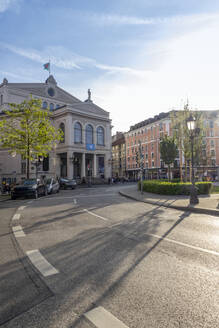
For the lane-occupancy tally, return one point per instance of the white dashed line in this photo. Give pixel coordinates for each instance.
(102, 318)
(16, 217)
(39, 261)
(31, 201)
(21, 208)
(98, 216)
(183, 244)
(18, 231)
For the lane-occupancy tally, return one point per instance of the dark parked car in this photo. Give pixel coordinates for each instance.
(52, 186)
(67, 183)
(31, 187)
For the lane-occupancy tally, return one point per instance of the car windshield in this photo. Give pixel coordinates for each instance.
(48, 181)
(29, 182)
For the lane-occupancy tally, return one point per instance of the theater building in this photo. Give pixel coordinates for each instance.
(86, 148)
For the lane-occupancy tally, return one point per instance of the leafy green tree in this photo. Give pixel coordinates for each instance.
(182, 138)
(168, 151)
(26, 129)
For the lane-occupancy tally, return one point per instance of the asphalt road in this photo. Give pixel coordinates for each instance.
(130, 264)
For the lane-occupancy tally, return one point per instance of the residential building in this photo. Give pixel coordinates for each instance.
(149, 132)
(86, 147)
(118, 155)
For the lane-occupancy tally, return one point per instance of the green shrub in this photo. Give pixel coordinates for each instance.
(171, 188)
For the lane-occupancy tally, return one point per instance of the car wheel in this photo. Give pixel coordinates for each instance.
(36, 194)
(57, 190)
(13, 197)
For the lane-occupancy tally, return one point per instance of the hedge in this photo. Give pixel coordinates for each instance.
(169, 188)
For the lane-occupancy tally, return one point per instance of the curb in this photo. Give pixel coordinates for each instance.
(181, 208)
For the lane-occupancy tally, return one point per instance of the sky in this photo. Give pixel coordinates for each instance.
(138, 57)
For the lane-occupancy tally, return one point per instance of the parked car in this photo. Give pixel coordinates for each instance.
(31, 187)
(52, 186)
(67, 183)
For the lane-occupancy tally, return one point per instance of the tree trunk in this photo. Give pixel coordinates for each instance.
(185, 170)
(28, 168)
(169, 172)
(180, 165)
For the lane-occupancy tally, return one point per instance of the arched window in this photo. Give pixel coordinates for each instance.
(45, 105)
(89, 134)
(77, 133)
(51, 106)
(100, 136)
(62, 127)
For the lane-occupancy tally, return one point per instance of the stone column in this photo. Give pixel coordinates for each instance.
(70, 166)
(95, 165)
(83, 165)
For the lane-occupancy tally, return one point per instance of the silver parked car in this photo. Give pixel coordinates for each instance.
(67, 183)
(52, 185)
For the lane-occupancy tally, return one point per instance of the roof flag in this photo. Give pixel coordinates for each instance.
(47, 66)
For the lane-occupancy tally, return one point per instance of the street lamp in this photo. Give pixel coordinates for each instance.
(191, 124)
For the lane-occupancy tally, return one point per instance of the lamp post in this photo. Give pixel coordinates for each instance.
(191, 124)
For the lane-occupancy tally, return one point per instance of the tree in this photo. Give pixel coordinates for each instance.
(181, 136)
(168, 151)
(26, 129)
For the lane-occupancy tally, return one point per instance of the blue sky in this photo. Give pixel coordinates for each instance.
(139, 57)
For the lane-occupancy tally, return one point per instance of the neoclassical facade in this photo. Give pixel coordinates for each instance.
(85, 150)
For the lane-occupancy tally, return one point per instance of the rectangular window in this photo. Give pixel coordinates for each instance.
(212, 152)
(23, 168)
(211, 124)
(212, 143)
(46, 163)
(152, 163)
(1, 100)
(146, 156)
(152, 155)
(211, 133)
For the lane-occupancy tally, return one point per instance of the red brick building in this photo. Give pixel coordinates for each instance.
(149, 133)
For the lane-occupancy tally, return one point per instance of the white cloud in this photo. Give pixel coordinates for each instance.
(64, 58)
(110, 19)
(6, 4)
(188, 66)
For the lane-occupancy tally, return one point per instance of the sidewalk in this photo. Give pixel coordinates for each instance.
(208, 204)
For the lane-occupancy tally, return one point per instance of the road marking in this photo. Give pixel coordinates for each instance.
(39, 261)
(75, 201)
(21, 208)
(102, 318)
(18, 231)
(31, 201)
(98, 216)
(183, 244)
(79, 196)
(16, 217)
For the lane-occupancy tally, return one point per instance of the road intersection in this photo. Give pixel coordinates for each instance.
(91, 254)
